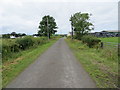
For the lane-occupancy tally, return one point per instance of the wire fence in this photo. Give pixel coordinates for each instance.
(111, 44)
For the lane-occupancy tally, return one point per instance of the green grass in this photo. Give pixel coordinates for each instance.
(14, 46)
(101, 64)
(14, 67)
(110, 39)
(0, 63)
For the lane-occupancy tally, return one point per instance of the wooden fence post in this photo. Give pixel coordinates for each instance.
(102, 45)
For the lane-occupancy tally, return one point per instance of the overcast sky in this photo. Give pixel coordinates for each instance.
(23, 16)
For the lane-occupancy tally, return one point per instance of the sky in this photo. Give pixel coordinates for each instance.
(23, 16)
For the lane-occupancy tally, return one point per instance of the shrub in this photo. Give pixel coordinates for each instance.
(69, 37)
(25, 42)
(11, 46)
(91, 41)
(39, 40)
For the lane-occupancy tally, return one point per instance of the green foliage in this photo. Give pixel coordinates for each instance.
(13, 34)
(47, 26)
(25, 42)
(6, 36)
(110, 39)
(20, 34)
(102, 64)
(14, 66)
(12, 46)
(91, 41)
(55, 37)
(8, 47)
(39, 40)
(69, 37)
(80, 23)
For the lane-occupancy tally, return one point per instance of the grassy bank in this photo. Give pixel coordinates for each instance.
(12, 68)
(101, 64)
(12, 47)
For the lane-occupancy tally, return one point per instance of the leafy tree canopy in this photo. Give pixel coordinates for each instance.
(47, 26)
(81, 24)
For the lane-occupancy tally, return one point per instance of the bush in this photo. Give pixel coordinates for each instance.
(25, 42)
(11, 46)
(69, 37)
(39, 40)
(91, 41)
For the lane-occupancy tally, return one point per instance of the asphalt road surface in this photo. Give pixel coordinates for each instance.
(55, 68)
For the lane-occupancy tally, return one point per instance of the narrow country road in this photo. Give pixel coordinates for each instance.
(55, 68)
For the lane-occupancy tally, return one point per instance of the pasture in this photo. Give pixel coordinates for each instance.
(110, 42)
(110, 39)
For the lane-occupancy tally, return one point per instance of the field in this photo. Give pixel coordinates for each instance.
(12, 66)
(110, 39)
(110, 42)
(101, 64)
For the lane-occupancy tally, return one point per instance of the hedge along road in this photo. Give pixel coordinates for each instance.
(56, 68)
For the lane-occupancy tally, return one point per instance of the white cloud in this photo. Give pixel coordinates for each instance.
(25, 15)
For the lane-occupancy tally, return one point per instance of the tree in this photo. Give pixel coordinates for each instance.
(35, 34)
(47, 26)
(80, 24)
(23, 34)
(6, 36)
(13, 33)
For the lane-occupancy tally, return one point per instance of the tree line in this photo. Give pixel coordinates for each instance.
(80, 25)
(13, 34)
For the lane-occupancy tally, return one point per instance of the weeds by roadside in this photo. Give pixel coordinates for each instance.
(101, 64)
(21, 60)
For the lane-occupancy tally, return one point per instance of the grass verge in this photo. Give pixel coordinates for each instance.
(101, 64)
(12, 68)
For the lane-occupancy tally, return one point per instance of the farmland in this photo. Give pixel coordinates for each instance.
(110, 42)
(110, 39)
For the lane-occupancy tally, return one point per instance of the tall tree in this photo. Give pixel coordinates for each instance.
(47, 26)
(81, 24)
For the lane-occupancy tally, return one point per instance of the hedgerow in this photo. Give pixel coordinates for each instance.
(11, 46)
(90, 40)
